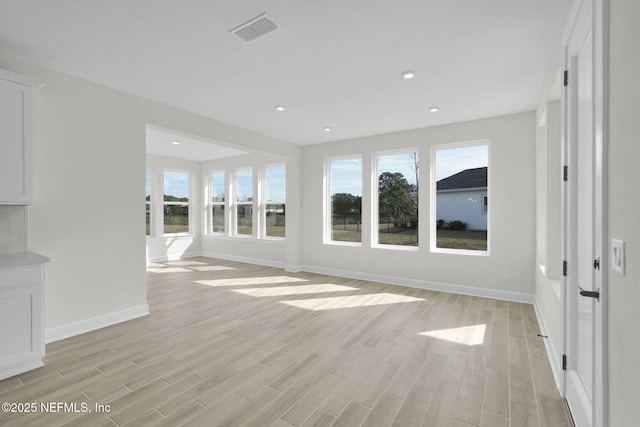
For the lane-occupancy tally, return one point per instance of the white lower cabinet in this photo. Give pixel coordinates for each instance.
(21, 316)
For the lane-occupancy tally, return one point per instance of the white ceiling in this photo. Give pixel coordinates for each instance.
(332, 63)
(162, 143)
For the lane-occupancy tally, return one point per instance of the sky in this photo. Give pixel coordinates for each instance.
(450, 161)
(346, 174)
(176, 183)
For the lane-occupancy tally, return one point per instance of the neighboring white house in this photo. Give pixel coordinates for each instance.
(463, 196)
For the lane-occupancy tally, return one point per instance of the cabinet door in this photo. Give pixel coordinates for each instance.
(16, 143)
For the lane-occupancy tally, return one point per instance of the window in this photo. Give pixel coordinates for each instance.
(397, 199)
(217, 202)
(148, 200)
(461, 197)
(274, 201)
(176, 202)
(344, 200)
(244, 202)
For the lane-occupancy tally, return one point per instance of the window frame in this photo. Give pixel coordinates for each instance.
(188, 204)
(264, 202)
(375, 216)
(326, 209)
(434, 194)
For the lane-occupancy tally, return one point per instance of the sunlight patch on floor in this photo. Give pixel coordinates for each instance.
(294, 290)
(351, 301)
(467, 335)
(212, 268)
(250, 281)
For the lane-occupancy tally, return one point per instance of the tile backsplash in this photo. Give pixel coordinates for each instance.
(13, 229)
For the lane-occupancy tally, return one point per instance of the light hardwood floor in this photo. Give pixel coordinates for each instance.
(235, 344)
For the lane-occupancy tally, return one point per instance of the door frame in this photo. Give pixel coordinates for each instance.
(599, 23)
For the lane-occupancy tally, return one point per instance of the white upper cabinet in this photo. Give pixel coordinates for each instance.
(17, 96)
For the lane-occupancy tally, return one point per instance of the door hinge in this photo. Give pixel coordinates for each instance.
(565, 173)
(564, 362)
(564, 268)
(566, 77)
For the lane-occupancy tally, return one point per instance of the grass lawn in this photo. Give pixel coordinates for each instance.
(387, 236)
(468, 239)
(472, 240)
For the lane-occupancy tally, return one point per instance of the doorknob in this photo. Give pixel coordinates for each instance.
(590, 294)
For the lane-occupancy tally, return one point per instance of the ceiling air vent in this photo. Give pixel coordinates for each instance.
(255, 28)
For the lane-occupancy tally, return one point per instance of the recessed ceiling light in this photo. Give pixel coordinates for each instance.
(434, 109)
(408, 74)
(326, 129)
(175, 142)
(279, 107)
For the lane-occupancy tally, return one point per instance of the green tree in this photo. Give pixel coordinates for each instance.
(396, 198)
(345, 204)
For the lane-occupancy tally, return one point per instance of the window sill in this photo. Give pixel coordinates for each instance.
(339, 243)
(270, 240)
(459, 252)
(397, 247)
(172, 236)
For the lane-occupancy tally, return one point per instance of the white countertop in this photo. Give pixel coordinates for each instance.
(21, 259)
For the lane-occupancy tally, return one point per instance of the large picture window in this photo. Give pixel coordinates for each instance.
(344, 222)
(244, 202)
(176, 202)
(274, 201)
(397, 196)
(218, 191)
(461, 197)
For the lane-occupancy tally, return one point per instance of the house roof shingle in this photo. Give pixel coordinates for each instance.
(468, 178)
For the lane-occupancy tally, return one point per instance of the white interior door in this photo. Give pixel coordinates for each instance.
(583, 227)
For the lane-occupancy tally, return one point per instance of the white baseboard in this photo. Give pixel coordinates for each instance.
(425, 284)
(552, 354)
(18, 368)
(290, 268)
(248, 260)
(72, 329)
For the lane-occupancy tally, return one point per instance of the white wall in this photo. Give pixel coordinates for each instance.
(466, 206)
(88, 214)
(624, 208)
(512, 187)
(170, 247)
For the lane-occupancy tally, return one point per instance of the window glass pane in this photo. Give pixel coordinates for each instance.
(345, 189)
(245, 220)
(244, 185)
(217, 187)
(274, 184)
(176, 198)
(461, 197)
(398, 199)
(148, 200)
(275, 220)
(176, 186)
(176, 219)
(275, 191)
(217, 219)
